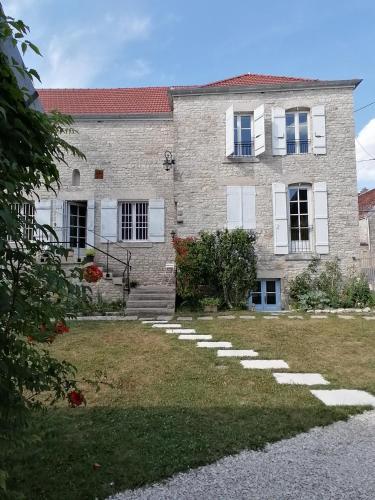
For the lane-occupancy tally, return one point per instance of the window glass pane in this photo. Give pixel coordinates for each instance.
(245, 121)
(294, 221)
(289, 119)
(271, 286)
(235, 135)
(271, 298)
(302, 118)
(303, 194)
(290, 134)
(293, 194)
(303, 207)
(259, 286)
(256, 298)
(293, 207)
(245, 136)
(304, 221)
(304, 234)
(294, 234)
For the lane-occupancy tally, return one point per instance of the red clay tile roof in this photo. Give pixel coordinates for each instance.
(252, 79)
(366, 202)
(142, 100)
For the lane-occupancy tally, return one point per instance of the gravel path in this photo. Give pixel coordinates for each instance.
(333, 462)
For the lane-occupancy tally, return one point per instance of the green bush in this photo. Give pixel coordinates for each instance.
(312, 289)
(220, 264)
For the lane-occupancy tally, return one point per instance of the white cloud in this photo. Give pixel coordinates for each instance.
(365, 148)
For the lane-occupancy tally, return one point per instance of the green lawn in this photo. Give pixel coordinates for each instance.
(173, 406)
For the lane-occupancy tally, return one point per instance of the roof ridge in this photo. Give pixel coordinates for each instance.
(258, 75)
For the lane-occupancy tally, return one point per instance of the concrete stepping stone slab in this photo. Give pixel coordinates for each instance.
(270, 317)
(236, 353)
(320, 316)
(195, 337)
(222, 345)
(295, 317)
(181, 330)
(368, 318)
(341, 316)
(153, 322)
(185, 318)
(264, 364)
(166, 325)
(300, 378)
(226, 317)
(344, 397)
(205, 318)
(247, 317)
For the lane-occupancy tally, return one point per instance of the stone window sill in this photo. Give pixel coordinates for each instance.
(241, 159)
(136, 244)
(301, 256)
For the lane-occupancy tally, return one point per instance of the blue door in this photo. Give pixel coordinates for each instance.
(266, 296)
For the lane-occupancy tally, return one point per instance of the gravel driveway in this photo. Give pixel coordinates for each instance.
(333, 462)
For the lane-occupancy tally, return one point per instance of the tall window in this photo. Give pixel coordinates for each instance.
(242, 135)
(299, 219)
(27, 211)
(134, 221)
(297, 132)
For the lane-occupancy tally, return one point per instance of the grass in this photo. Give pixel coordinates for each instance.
(173, 406)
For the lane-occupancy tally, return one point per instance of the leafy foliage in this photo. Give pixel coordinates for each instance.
(312, 289)
(220, 264)
(35, 297)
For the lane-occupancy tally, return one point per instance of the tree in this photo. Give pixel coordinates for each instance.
(35, 297)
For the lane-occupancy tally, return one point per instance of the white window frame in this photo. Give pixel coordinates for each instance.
(296, 113)
(133, 204)
(237, 117)
(301, 246)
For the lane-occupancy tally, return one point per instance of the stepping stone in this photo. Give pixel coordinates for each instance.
(270, 317)
(166, 318)
(236, 353)
(195, 337)
(300, 378)
(321, 316)
(295, 317)
(166, 325)
(264, 364)
(153, 322)
(344, 397)
(185, 318)
(368, 318)
(214, 344)
(226, 317)
(205, 318)
(181, 330)
(247, 317)
(341, 316)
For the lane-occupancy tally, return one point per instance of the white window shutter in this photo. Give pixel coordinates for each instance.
(280, 219)
(108, 220)
(278, 132)
(248, 207)
(259, 134)
(43, 212)
(156, 228)
(319, 130)
(58, 206)
(321, 217)
(234, 207)
(229, 131)
(90, 222)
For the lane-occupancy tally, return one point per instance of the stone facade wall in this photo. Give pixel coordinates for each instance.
(203, 172)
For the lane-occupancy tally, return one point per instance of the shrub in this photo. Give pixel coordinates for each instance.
(220, 264)
(329, 288)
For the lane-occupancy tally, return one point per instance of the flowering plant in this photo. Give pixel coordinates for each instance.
(76, 398)
(92, 273)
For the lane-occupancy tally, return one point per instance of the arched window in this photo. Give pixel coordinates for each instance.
(76, 177)
(297, 130)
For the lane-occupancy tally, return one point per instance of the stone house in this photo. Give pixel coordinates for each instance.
(271, 154)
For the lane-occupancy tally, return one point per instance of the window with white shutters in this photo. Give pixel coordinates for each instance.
(300, 219)
(27, 212)
(134, 221)
(297, 132)
(243, 127)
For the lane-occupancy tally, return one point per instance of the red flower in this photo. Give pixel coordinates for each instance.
(61, 327)
(92, 273)
(76, 398)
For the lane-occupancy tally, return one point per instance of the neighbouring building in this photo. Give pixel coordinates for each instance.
(271, 154)
(366, 209)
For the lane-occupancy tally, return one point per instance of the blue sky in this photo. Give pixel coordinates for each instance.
(121, 43)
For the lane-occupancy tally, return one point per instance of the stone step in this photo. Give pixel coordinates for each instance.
(154, 289)
(149, 311)
(135, 303)
(152, 296)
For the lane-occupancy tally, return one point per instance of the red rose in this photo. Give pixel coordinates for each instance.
(61, 327)
(92, 273)
(76, 398)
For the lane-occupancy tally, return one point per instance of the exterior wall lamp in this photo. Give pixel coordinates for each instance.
(169, 161)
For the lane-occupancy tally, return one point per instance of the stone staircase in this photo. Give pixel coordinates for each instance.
(151, 301)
